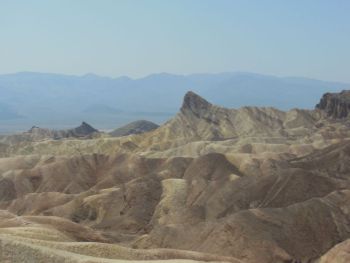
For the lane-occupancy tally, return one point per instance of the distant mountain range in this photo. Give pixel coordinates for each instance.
(59, 101)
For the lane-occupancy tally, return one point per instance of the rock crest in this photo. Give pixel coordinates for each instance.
(335, 105)
(195, 104)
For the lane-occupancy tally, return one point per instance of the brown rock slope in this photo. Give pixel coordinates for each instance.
(213, 184)
(336, 105)
(136, 127)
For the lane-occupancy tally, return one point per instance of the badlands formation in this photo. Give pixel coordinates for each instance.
(248, 185)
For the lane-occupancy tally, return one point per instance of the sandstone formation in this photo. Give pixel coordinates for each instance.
(255, 185)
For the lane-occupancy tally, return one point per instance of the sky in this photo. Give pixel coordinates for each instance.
(309, 38)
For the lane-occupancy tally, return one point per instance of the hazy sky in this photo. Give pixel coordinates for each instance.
(109, 37)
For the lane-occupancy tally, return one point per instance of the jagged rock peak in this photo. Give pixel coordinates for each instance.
(194, 103)
(335, 105)
(85, 129)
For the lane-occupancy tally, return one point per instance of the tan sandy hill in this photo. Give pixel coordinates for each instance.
(339, 254)
(254, 185)
(198, 120)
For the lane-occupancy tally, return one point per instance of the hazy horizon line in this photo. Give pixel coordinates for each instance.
(168, 73)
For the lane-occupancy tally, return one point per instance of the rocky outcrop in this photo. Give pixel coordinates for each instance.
(83, 130)
(136, 127)
(194, 104)
(335, 105)
(37, 134)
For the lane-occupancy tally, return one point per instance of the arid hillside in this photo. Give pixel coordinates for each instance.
(254, 185)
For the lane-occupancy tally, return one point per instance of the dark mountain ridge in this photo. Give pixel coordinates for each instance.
(135, 127)
(336, 105)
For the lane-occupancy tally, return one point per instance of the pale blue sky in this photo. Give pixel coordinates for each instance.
(308, 38)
